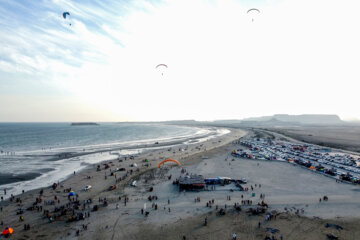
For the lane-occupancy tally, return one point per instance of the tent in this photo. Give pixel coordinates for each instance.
(8, 231)
(72, 193)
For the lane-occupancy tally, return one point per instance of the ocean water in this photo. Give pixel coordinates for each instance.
(34, 155)
(29, 137)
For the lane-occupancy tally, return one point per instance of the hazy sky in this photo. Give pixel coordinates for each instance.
(294, 57)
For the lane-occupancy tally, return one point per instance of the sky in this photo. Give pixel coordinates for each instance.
(99, 64)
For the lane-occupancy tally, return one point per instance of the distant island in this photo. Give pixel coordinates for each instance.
(84, 124)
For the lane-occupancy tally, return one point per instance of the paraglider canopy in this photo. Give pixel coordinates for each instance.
(169, 160)
(253, 11)
(66, 16)
(8, 231)
(161, 65)
(65, 13)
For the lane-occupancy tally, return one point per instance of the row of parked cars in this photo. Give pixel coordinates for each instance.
(338, 164)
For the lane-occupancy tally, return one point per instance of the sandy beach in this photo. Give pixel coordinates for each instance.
(291, 192)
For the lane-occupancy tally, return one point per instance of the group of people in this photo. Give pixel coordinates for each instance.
(246, 202)
(210, 203)
(197, 199)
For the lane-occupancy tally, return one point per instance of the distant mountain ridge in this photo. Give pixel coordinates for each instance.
(302, 119)
(274, 120)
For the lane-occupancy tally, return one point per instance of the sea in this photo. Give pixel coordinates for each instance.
(35, 155)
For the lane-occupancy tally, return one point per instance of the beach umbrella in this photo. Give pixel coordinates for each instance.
(72, 193)
(8, 231)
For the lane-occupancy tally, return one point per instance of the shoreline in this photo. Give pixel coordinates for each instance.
(113, 151)
(145, 153)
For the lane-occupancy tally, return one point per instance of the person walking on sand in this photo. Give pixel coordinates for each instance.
(234, 236)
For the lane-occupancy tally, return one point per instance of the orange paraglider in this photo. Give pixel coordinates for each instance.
(169, 160)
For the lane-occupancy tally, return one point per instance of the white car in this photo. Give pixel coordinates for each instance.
(86, 188)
